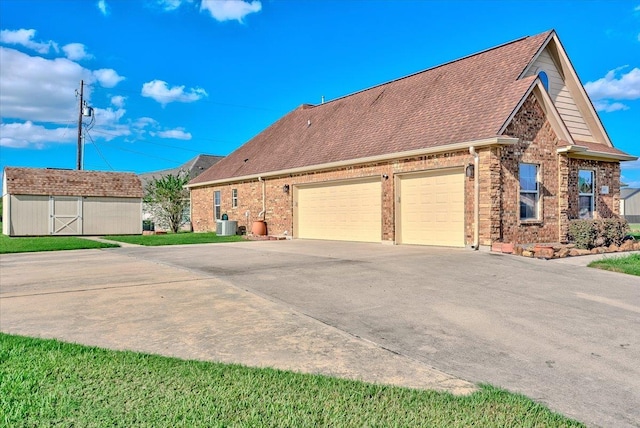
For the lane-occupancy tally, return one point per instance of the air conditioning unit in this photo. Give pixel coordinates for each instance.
(226, 227)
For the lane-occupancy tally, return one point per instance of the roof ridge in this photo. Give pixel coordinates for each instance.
(305, 106)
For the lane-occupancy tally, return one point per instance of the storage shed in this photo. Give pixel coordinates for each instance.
(630, 204)
(68, 202)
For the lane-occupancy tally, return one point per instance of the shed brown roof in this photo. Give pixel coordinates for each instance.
(464, 100)
(61, 182)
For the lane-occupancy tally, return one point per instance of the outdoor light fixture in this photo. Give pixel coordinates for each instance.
(469, 171)
(285, 188)
(385, 176)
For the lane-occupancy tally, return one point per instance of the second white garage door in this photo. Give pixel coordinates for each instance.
(431, 208)
(343, 211)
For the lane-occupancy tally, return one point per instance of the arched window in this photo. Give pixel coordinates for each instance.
(544, 79)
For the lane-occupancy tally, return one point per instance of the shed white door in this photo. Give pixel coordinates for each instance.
(431, 208)
(343, 211)
(66, 215)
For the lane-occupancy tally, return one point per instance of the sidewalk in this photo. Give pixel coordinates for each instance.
(106, 241)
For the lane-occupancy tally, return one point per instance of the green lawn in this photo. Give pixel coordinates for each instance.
(635, 230)
(46, 382)
(625, 264)
(46, 243)
(174, 239)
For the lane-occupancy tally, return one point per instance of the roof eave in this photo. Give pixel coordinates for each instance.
(583, 152)
(485, 142)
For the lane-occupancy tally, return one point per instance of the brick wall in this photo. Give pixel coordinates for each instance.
(606, 174)
(279, 205)
(537, 145)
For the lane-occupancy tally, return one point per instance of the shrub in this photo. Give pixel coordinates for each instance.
(588, 234)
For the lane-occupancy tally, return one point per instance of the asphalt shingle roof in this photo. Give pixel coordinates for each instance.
(194, 167)
(464, 100)
(62, 182)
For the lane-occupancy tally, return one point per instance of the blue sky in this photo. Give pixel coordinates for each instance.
(170, 79)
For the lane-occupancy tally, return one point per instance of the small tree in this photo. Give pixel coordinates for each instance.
(168, 199)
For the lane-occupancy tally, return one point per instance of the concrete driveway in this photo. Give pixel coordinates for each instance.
(564, 335)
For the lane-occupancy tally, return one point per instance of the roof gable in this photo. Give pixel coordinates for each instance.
(61, 182)
(567, 92)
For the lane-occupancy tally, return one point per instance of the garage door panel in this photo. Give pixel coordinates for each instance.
(348, 211)
(431, 209)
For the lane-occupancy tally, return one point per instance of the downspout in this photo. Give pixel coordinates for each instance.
(264, 208)
(476, 197)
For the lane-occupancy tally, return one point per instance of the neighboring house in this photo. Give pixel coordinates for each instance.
(500, 146)
(193, 168)
(630, 204)
(68, 202)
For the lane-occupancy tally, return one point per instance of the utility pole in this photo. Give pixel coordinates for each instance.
(79, 166)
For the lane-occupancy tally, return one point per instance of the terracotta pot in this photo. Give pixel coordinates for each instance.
(259, 228)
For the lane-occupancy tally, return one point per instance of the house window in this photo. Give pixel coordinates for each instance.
(234, 198)
(529, 192)
(544, 79)
(585, 194)
(216, 205)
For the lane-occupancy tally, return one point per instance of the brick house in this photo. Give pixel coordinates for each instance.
(500, 146)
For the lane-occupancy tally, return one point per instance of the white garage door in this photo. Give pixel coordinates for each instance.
(344, 211)
(431, 208)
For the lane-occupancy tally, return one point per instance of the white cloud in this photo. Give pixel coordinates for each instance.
(39, 89)
(144, 122)
(108, 116)
(160, 91)
(605, 106)
(76, 51)
(28, 135)
(108, 77)
(227, 10)
(103, 7)
(176, 134)
(118, 101)
(616, 86)
(39, 105)
(170, 5)
(39, 96)
(24, 38)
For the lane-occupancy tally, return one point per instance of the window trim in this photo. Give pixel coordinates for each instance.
(592, 194)
(217, 211)
(234, 198)
(536, 194)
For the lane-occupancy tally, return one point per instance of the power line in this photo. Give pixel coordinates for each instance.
(99, 152)
(164, 145)
(142, 153)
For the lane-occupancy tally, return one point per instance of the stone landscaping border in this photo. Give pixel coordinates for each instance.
(560, 251)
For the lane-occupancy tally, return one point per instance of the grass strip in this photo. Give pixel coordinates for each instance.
(47, 243)
(626, 264)
(47, 383)
(174, 239)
